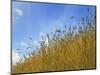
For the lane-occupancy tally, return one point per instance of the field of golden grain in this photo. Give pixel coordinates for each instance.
(72, 49)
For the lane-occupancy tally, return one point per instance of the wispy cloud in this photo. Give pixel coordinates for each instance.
(35, 42)
(19, 11)
(42, 34)
(23, 44)
(15, 57)
(46, 41)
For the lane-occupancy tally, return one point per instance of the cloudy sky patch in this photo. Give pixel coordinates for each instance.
(19, 11)
(15, 57)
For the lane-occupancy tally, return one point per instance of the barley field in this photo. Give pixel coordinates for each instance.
(72, 49)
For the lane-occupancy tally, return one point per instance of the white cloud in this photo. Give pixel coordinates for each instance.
(35, 42)
(46, 41)
(27, 56)
(42, 34)
(15, 57)
(23, 44)
(18, 11)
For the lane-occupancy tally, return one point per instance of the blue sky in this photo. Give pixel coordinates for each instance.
(36, 19)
